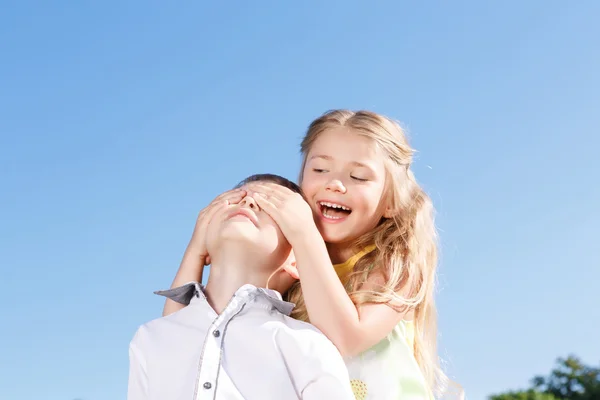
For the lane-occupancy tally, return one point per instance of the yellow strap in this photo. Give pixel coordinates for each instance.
(347, 266)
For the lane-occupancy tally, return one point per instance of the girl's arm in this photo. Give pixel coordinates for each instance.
(190, 270)
(329, 307)
(196, 255)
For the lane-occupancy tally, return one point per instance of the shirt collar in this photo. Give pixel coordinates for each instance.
(185, 293)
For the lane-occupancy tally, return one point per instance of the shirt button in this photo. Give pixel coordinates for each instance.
(216, 333)
(207, 385)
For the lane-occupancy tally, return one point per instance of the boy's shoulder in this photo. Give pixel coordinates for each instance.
(307, 351)
(147, 330)
(301, 326)
(164, 326)
(302, 335)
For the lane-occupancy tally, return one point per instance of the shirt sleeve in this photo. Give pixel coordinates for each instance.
(328, 387)
(330, 380)
(138, 379)
(315, 366)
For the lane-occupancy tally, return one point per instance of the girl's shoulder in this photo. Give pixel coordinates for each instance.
(402, 335)
(406, 331)
(400, 341)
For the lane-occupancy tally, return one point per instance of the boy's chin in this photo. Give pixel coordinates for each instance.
(238, 231)
(240, 241)
(246, 239)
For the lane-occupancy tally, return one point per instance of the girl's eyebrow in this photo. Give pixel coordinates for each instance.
(329, 158)
(324, 157)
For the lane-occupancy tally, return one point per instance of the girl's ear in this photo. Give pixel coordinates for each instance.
(389, 211)
(387, 206)
(290, 266)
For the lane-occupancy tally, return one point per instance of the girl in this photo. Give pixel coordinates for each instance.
(376, 304)
(367, 215)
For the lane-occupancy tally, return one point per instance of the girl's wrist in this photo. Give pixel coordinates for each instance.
(310, 240)
(194, 254)
(194, 246)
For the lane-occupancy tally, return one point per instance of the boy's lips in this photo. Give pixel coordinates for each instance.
(244, 212)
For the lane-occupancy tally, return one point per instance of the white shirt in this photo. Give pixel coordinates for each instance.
(251, 351)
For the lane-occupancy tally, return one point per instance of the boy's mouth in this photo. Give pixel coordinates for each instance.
(242, 212)
(333, 211)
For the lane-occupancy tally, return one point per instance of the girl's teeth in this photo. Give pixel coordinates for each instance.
(330, 216)
(335, 206)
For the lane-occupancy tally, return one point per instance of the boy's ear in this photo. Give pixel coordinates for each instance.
(289, 266)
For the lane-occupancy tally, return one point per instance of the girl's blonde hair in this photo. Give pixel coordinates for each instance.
(406, 243)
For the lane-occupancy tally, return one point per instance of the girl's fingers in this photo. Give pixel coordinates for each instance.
(235, 198)
(207, 214)
(257, 187)
(264, 188)
(274, 188)
(229, 193)
(215, 208)
(266, 205)
(271, 194)
(229, 198)
(273, 199)
(224, 199)
(232, 194)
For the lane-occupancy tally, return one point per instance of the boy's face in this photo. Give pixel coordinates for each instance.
(250, 226)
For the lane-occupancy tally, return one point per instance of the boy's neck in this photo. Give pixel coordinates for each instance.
(229, 271)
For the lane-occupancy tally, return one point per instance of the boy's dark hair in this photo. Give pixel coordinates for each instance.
(279, 180)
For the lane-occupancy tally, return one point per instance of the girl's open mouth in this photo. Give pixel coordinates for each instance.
(333, 211)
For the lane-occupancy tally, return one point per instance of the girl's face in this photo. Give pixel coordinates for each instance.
(344, 182)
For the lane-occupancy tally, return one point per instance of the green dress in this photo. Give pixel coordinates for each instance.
(388, 370)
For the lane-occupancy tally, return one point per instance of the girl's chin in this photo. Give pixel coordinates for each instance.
(336, 240)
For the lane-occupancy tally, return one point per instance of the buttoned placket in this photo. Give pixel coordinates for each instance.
(212, 350)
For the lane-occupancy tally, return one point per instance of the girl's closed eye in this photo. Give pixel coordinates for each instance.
(319, 170)
(356, 178)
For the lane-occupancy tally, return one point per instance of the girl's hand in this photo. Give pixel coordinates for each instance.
(198, 241)
(287, 208)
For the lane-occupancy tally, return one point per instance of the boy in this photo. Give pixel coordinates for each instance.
(234, 340)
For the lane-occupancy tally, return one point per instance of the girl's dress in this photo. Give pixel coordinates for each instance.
(388, 370)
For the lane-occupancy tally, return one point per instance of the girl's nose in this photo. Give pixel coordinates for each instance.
(336, 185)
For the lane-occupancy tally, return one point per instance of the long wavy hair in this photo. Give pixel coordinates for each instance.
(406, 244)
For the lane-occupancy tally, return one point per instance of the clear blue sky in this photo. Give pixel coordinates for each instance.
(119, 121)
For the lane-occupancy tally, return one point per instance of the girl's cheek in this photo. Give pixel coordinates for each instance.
(307, 189)
(309, 184)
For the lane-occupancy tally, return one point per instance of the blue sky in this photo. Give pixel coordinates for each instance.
(119, 121)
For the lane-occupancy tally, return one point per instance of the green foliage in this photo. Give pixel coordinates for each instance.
(524, 395)
(569, 380)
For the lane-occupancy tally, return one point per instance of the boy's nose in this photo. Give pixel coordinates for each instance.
(249, 202)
